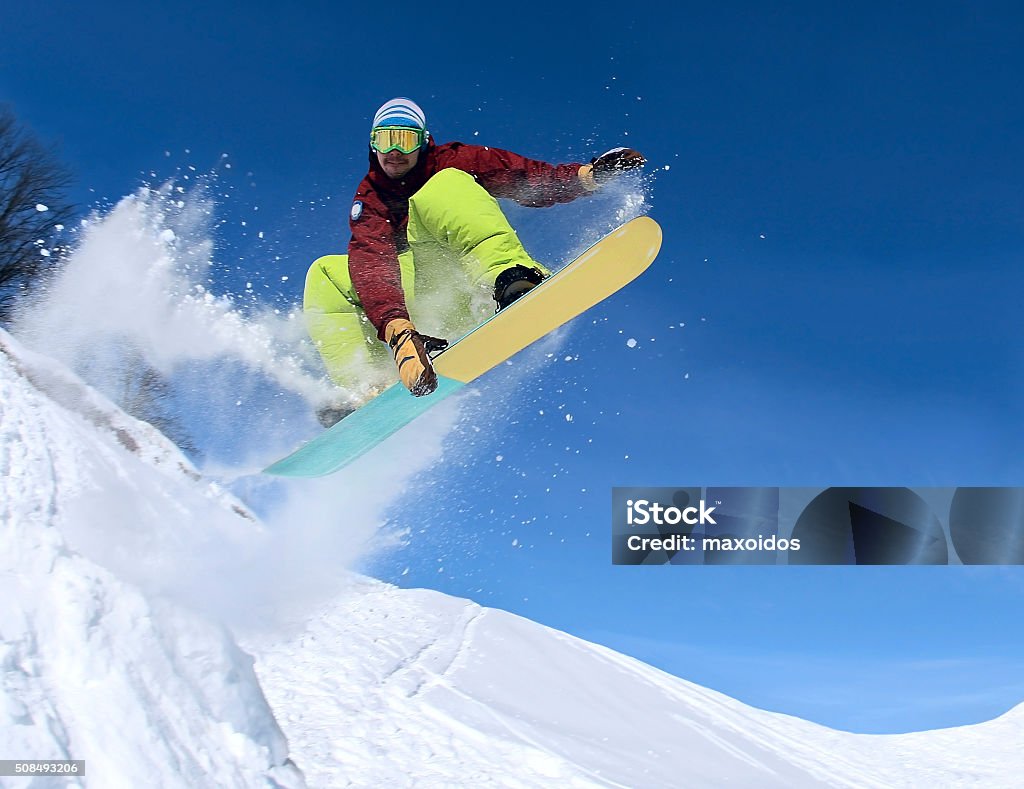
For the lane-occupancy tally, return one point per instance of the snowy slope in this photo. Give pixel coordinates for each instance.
(403, 688)
(106, 528)
(91, 667)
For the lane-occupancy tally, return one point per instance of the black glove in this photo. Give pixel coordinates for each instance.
(617, 160)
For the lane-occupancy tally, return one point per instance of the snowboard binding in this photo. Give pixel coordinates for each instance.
(513, 283)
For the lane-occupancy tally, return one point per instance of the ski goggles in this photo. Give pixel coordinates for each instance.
(396, 138)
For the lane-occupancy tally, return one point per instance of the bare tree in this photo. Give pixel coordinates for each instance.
(33, 183)
(148, 396)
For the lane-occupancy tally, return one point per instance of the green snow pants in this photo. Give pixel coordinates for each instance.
(459, 242)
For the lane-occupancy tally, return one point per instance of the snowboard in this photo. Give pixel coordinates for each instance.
(604, 268)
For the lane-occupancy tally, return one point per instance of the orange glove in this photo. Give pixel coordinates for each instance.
(411, 355)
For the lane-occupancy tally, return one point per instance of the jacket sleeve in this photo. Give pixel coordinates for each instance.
(373, 263)
(527, 181)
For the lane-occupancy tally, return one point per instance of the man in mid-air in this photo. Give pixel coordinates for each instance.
(423, 213)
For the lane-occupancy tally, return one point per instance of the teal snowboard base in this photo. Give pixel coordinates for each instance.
(361, 431)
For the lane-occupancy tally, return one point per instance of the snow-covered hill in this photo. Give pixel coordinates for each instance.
(107, 531)
(92, 668)
(394, 688)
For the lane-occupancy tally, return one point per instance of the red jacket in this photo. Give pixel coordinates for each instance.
(380, 212)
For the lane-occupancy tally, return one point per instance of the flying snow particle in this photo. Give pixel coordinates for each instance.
(631, 342)
(42, 209)
(568, 417)
(499, 458)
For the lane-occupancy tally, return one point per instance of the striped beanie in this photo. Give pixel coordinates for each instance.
(400, 112)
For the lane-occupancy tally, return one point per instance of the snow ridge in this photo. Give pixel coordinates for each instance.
(412, 688)
(147, 693)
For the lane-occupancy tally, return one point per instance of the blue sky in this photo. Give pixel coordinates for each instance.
(844, 224)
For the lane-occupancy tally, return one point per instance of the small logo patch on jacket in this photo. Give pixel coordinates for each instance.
(357, 210)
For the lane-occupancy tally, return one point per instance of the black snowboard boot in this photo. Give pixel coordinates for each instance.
(514, 282)
(329, 415)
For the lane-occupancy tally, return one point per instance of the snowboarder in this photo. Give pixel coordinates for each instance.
(421, 203)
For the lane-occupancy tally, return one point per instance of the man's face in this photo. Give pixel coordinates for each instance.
(396, 164)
